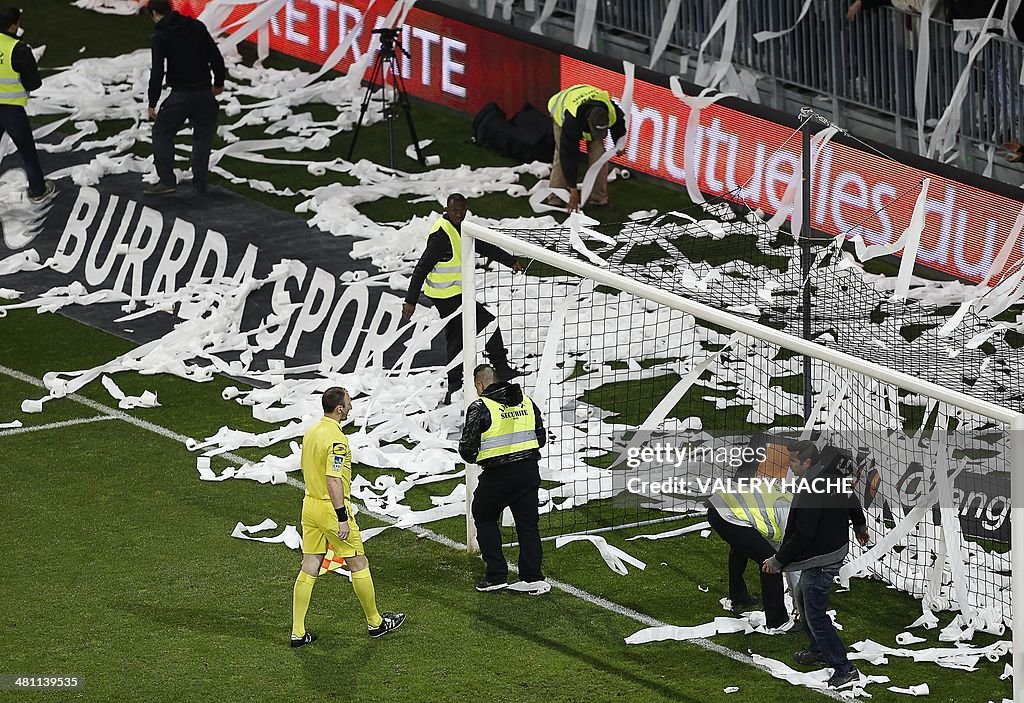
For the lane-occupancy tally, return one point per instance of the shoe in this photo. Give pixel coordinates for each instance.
(842, 680)
(389, 622)
(750, 600)
(798, 626)
(48, 194)
(308, 638)
(597, 203)
(485, 585)
(554, 201)
(806, 657)
(158, 188)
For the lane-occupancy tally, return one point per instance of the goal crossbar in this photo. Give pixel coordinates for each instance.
(606, 276)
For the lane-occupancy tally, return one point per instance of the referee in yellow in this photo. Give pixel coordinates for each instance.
(327, 517)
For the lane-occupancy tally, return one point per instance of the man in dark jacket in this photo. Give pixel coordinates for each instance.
(191, 56)
(815, 543)
(440, 267)
(19, 75)
(504, 432)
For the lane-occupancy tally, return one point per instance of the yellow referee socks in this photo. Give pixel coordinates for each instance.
(362, 584)
(300, 602)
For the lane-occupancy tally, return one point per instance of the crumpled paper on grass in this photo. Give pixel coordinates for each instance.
(615, 558)
(289, 537)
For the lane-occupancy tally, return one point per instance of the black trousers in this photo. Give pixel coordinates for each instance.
(511, 486)
(494, 347)
(200, 109)
(14, 121)
(747, 544)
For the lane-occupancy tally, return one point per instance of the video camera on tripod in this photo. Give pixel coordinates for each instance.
(389, 41)
(387, 56)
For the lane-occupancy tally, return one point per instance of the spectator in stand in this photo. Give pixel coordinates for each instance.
(980, 9)
(1005, 80)
(913, 6)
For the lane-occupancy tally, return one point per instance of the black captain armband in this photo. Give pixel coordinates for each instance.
(342, 515)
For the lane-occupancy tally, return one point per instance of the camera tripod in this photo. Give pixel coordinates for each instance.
(385, 64)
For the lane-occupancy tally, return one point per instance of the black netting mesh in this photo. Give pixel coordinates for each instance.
(600, 362)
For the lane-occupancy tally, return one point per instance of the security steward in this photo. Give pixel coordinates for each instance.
(503, 433)
(19, 75)
(752, 524)
(588, 113)
(440, 268)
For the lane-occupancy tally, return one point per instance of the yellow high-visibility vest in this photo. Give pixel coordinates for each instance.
(445, 279)
(570, 99)
(12, 92)
(756, 509)
(513, 429)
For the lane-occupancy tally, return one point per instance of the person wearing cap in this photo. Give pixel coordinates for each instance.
(583, 112)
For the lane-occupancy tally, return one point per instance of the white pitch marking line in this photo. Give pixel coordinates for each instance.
(420, 532)
(600, 602)
(56, 425)
(114, 413)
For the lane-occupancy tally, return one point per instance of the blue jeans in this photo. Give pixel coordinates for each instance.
(812, 595)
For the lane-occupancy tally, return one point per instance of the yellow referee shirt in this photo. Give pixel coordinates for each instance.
(325, 452)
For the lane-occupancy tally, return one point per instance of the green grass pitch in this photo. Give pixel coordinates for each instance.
(118, 564)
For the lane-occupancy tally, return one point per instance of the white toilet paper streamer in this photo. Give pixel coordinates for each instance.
(125, 402)
(289, 536)
(615, 558)
(711, 76)
(905, 638)
(917, 690)
(697, 527)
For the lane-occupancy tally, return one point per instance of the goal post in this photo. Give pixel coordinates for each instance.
(1017, 552)
(616, 278)
(468, 364)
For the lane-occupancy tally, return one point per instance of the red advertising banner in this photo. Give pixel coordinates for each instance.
(449, 62)
(737, 155)
(744, 157)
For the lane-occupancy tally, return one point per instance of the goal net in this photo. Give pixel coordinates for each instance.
(647, 344)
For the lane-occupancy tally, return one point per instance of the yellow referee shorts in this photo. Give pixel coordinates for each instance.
(320, 527)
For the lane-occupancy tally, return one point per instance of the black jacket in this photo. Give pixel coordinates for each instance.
(190, 53)
(478, 420)
(964, 10)
(24, 62)
(818, 532)
(572, 132)
(439, 248)
(979, 9)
